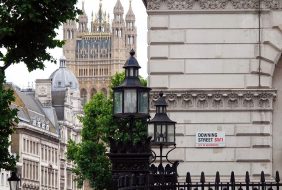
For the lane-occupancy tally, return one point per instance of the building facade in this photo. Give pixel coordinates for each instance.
(47, 120)
(219, 65)
(97, 52)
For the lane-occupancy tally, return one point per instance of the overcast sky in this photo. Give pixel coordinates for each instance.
(19, 75)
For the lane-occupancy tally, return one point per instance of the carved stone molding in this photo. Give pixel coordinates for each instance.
(217, 100)
(211, 4)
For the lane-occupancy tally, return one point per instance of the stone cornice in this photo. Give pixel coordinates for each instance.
(217, 100)
(158, 5)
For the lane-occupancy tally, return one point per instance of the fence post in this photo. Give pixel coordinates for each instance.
(277, 179)
(217, 180)
(262, 180)
(203, 180)
(247, 181)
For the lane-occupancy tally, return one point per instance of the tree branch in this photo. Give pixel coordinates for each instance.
(6, 66)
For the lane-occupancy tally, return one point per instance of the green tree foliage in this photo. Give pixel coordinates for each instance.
(8, 119)
(27, 30)
(89, 156)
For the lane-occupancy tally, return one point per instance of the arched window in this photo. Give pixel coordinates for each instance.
(93, 92)
(68, 34)
(104, 91)
(83, 95)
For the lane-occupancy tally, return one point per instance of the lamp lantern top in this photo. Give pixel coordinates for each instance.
(14, 177)
(131, 62)
(161, 115)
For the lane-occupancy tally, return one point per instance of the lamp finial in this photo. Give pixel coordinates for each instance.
(132, 52)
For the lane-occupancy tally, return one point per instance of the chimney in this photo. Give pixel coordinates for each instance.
(43, 92)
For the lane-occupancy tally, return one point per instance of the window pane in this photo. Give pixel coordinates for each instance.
(118, 102)
(130, 101)
(143, 102)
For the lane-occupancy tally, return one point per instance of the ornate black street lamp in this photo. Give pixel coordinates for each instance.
(131, 99)
(14, 181)
(130, 103)
(162, 128)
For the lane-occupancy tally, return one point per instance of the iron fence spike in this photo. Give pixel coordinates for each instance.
(188, 178)
(247, 178)
(217, 177)
(232, 178)
(277, 177)
(262, 177)
(203, 180)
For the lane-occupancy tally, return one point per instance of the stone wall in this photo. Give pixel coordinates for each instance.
(215, 61)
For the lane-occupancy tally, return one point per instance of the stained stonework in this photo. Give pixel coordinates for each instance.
(211, 4)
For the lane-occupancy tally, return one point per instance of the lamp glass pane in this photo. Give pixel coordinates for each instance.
(117, 102)
(131, 72)
(13, 185)
(151, 131)
(130, 101)
(143, 106)
(170, 133)
(160, 133)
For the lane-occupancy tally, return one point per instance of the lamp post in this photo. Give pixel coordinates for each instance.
(131, 99)
(130, 103)
(14, 181)
(162, 128)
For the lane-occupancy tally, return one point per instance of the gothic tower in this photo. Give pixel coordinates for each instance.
(82, 21)
(118, 31)
(95, 55)
(130, 30)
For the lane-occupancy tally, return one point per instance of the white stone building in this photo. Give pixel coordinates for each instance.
(4, 175)
(47, 120)
(219, 65)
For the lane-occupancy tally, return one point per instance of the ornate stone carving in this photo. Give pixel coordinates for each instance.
(154, 4)
(217, 100)
(248, 100)
(211, 4)
(233, 100)
(202, 101)
(271, 4)
(264, 100)
(180, 4)
(187, 100)
(245, 4)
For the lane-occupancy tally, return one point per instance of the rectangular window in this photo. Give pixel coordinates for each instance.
(42, 175)
(24, 144)
(27, 145)
(56, 176)
(49, 154)
(34, 152)
(42, 152)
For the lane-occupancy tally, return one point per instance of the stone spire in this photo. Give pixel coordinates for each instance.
(130, 16)
(82, 20)
(130, 30)
(118, 9)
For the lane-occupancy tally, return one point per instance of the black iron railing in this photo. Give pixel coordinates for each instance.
(143, 182)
